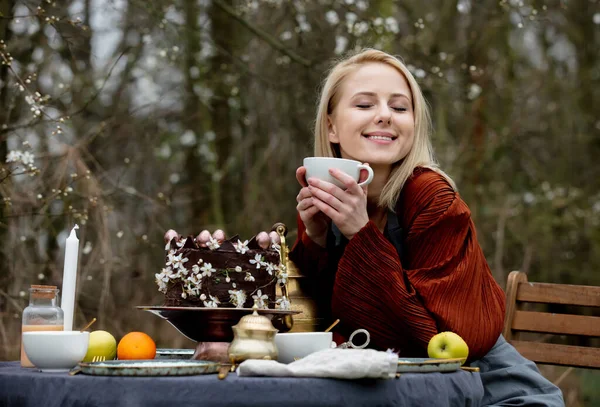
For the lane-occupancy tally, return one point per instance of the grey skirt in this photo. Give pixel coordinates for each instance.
(511, 380)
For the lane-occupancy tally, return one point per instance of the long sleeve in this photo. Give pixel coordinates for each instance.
(308, 256)
(445, 284)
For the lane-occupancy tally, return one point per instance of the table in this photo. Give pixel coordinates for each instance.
(28, 387)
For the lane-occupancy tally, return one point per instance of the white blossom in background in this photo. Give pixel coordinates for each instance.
(420, 73)
(14, 156)
(249, 277)
(596, 19)
(303, 24)
(528, 197)
(340, 44)
(360, 28)
(391, 24)
(238, 269)
(24, 157)
(188, 138)
(362, 5)
(332, 17)
(87, 249)
(285, 36)
(463, 6)
(350, 19)
(474, 91)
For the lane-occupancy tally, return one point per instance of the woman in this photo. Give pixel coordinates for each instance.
(400, 256)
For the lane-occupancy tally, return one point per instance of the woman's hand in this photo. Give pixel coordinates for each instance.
(346, 208)
(315, 221)
(264, 239)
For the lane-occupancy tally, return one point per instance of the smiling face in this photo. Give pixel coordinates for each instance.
(373, 119)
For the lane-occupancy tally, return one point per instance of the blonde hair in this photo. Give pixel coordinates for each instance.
(421, 153)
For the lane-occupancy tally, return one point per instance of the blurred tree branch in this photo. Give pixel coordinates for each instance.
(263, 35)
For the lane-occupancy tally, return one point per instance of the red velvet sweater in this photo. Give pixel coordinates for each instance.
(445, 283)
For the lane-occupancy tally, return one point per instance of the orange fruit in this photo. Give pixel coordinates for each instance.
(135, 346)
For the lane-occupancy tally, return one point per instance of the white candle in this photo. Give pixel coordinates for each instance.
(70, 278)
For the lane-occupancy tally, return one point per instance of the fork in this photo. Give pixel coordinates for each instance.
(76, 370)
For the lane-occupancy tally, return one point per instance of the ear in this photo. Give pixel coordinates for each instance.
(332, 131)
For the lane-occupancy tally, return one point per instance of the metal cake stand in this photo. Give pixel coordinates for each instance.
(211, 327)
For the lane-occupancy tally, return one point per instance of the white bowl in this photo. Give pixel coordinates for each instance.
(300, 344)
(55, 351)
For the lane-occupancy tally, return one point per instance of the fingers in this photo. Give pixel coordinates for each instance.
(170, 234)
(364, 175)
(304, 204)
(326, 209)
(327, 194)
(301, 176)
(303, 194)
(308, 213)
(349, 182)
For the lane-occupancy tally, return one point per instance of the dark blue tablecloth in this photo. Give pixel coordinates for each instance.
(28, 387)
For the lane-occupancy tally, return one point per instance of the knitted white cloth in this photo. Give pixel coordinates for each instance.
(330, 363)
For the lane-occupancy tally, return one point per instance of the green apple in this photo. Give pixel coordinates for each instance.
(447, 345)
(101, 343)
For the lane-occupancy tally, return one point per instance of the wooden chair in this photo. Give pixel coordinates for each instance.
(519, 291)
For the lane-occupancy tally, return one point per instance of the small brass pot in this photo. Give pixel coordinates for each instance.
(254, 338)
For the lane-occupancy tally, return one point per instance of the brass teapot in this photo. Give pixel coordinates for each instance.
(254, 338)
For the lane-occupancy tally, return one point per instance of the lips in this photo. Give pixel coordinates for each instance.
(379, 135)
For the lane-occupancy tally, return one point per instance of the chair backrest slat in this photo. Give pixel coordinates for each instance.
(563, 355)
(587, 296)
(562, 324)
(519, 291)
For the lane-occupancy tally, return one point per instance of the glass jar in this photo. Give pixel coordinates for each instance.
(42, 314)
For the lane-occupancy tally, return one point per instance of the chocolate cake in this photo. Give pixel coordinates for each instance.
(231, 274)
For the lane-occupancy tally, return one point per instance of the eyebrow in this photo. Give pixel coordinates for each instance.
(394, 95)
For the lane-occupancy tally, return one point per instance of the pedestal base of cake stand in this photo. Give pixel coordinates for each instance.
(213, 351)
(211, 327)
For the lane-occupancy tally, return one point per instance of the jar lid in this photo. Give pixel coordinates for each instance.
(43, 291)
(255, 322)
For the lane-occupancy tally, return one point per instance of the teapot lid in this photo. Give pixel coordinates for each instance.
(255, 322)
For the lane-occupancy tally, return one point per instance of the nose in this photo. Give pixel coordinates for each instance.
(384, 114)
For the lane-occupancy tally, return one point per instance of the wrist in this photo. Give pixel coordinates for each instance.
(320, 239)
(349, 236)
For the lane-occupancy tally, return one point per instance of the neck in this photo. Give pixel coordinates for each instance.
(381, 174)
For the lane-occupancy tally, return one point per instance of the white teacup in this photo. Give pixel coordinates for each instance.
(294, 345)
(318, 167)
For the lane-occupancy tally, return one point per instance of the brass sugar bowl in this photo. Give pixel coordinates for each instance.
(254, 338)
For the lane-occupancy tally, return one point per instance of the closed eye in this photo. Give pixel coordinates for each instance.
(363, 106)
(400, 109)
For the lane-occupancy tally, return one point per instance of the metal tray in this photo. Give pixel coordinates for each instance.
(155, 367)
